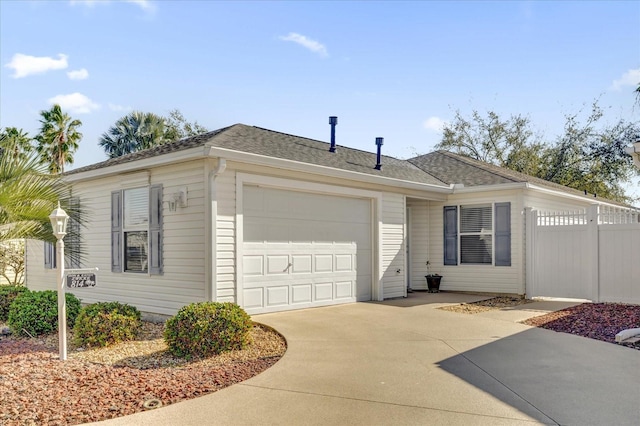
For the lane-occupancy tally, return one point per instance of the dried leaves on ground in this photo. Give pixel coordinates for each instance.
(601, 321)
(36, 388)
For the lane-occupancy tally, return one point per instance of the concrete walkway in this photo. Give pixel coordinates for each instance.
(404, 362)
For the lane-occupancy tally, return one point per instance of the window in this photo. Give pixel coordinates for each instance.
(476, 234)
(484, 235)
(136, 230)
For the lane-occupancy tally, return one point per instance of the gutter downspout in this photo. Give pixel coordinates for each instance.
(213, 261)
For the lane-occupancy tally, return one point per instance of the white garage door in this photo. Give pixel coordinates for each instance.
(302, 250)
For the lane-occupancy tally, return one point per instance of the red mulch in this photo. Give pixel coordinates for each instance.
(37, 389)
(601, 321)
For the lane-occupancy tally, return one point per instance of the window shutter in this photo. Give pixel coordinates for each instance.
(155, 230)
(116, 231)
(73, 235)
(450, 235)
(49, 255)
(503, 234)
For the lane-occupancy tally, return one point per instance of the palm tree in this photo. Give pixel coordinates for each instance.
(134, 132)
(15, 142)
(28, 195)
(58, 138)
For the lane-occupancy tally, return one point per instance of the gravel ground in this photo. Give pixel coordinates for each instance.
(486, 305)
(601, 321)
(97, 384)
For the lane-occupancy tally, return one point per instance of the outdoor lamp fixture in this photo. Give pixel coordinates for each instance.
(59, 219)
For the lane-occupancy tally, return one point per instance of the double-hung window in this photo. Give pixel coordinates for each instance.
(477, 234)
(136, 230)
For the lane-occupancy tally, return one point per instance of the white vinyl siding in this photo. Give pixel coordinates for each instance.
(225, 289)
(419, 243)
(183, 281)
(393, 245)
(474, 277)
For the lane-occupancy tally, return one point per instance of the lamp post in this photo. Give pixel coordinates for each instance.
(59, 220)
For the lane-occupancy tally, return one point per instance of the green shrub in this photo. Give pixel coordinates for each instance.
(207, 328)
(8, 293)
(35, 313)
(106, 323)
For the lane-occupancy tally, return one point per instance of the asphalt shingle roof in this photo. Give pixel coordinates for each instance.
(453, 168)
(440, 168)
(256, 140)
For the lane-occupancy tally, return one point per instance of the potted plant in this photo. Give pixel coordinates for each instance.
(433, 280)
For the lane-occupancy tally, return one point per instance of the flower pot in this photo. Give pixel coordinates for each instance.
(433, 283)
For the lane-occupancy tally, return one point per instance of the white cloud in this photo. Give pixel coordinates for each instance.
(81, 74)
(146, 5)
(434, 123)
(24, 65)
(312, 45)
(77, 103)
(630, 78)
(115, 107)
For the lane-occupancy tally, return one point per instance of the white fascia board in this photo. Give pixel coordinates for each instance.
(130, 166)
(280, 163)
(571, 196)
(485, 188)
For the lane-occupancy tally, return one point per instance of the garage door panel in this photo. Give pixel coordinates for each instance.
(304, 250)
(344, 289)
(253, 298)
(302, 293)
(301, 264)
(253, 265)
(277, 296)
(277, 264)
(323, 263)
(344, 262)
(324, 291)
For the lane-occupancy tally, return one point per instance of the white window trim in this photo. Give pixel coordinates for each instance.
(144, 227)
(492, 234)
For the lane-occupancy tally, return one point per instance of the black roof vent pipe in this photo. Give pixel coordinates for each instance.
(333, 121)
(379, 144)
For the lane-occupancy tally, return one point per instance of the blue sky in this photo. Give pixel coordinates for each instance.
(391, 69)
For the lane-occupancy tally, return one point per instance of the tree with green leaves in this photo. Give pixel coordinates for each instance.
(58, 138)
(15, 142)
(177, 127)
(28, 195)
(509, 143)
(587, 156)
(134, 132)
(141, 130)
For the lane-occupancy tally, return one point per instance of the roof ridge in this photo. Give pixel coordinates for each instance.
(327, 143)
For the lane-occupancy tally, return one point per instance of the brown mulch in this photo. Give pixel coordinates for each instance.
(499, 302)
(36, 388)
(601, 321)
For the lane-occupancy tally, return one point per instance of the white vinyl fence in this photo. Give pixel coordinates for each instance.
(592, 254)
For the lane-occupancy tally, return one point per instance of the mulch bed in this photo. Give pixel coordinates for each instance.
(601, 321)
(36, 388)
(499, 302)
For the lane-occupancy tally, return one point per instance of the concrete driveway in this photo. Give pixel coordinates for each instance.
(406, 362)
